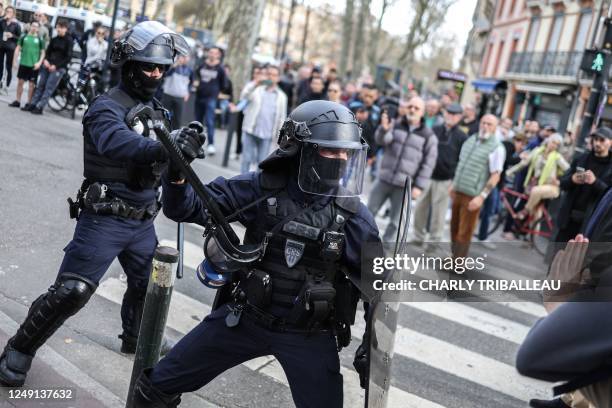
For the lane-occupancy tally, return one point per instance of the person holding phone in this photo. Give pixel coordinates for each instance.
(588, 177)
(264, 114)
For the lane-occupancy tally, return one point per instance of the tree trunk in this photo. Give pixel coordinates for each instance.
(283, 54)
(347, 31)
(375, 37)
(305, 35)
(360, 37)
(241, 42)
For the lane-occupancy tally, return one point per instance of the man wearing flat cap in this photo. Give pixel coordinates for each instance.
(589, 176)
(435, 197)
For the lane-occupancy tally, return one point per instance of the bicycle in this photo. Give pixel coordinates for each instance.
(537, 228)
(76, 91)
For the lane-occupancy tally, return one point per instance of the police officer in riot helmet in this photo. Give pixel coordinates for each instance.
(299, 299)
(118, 199)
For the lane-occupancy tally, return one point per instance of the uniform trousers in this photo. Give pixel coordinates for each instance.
(310, 362)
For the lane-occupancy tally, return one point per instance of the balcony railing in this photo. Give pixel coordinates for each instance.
(559, 63)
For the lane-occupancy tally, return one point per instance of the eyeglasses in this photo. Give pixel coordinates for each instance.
(415, 107)
(150, 67)
(100, 33)
(333, 90)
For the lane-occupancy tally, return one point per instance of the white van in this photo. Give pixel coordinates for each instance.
(83, 20)
(25, 10)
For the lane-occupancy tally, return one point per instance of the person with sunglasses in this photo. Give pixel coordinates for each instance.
(118, 200)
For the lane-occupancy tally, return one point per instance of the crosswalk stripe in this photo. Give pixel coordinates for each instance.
(530, 308)
(185, 313)
(474, 318)
(67, 369)
(463, 363)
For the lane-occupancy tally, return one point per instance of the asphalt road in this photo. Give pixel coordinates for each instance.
(447, 354)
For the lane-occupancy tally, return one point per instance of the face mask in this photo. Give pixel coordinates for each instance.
(330, 170)
(139, 84)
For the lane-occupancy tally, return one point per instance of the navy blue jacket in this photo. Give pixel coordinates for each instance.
(104, 122)
(181, 204)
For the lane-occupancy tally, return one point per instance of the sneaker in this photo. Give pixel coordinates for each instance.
(508, 236)
(36, 110)
(234, 156)
(488, 244)
(15, 104)
(211, 150)
(27, 107)
(3, 90)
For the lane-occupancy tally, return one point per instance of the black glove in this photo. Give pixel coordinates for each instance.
(190, 141)
(361, 364)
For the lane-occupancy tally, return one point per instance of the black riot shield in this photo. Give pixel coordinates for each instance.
(382, 320)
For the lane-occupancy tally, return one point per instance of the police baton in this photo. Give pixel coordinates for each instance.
(153, 323)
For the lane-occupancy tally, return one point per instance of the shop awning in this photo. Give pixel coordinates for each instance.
(488, 85)
(541, 88)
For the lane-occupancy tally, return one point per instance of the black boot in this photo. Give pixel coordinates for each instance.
(147, 396)
(63, 299)
(554, 403)
(131, 315)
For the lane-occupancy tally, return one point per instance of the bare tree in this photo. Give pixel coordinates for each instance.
(244, 22)
(429, 15)
(373, 48)
(305, 35)
(360, 36)
(283, 53)
(347, 32)
(212, 15)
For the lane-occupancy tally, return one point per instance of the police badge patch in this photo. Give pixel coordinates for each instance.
(293, 252)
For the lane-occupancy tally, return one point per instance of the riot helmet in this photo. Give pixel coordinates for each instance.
(332, 153)
(147, 46)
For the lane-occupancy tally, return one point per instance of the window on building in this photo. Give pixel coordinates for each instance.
(500, 54)
(500, 10)
(555, 33)
(534, 27)
(512, 5)
(583, 29)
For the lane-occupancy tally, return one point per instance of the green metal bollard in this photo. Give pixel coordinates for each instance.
(157, 303)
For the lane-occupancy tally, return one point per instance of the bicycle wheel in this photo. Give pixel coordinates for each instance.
(497, 220)
(60, 99)
(541, 235)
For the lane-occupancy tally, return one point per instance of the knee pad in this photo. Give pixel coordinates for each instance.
(147, 396)
(72, 292)
(49, 311)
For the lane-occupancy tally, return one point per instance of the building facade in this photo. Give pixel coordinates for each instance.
(507, 35)
(543, 75)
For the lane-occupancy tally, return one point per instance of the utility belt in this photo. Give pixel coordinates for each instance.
(280, 324)
(312, 309)
(98, 199)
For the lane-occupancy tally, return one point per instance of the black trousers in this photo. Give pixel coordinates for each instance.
(311, 363)
(175, 106)
(6, 61)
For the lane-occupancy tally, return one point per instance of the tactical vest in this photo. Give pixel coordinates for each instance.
(136, 176)
(302, 256)
(473, 167)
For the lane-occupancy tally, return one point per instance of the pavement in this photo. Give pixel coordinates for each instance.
(447, 354)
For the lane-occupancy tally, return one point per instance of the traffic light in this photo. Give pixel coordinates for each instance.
(593, 61)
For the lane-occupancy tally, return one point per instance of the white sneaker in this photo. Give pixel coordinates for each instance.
(234, 156)
(488, 244)
(211, 150)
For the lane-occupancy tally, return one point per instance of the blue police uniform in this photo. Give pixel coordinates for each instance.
(310, 360)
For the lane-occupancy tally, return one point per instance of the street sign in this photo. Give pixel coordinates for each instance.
(593, 61)
(452, 76)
